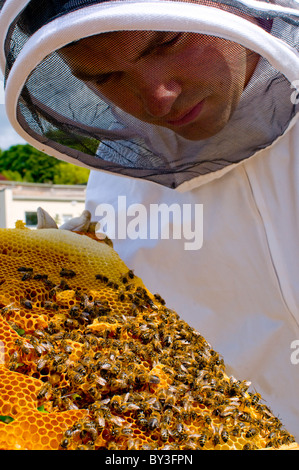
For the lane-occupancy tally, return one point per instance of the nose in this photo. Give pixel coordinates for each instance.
(158, 95)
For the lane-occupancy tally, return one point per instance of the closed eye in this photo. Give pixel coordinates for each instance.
(172, 41)
(92, 78)
(162, 40)
(102, 79)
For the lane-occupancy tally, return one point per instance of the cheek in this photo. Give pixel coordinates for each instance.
(214, 63)
(121, 96)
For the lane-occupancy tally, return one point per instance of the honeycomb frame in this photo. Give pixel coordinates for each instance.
(93, 360)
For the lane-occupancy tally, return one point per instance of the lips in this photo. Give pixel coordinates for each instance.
(188, 117)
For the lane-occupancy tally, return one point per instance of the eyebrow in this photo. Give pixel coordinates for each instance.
(153, 42)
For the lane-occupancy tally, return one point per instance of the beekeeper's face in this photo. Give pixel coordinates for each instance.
(187, 82)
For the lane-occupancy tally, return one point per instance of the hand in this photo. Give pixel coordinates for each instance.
(83, 223)
(77, 224)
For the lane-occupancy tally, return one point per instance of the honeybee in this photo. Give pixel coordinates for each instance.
(74, 311)
(154, 421)
(236, 431)
(67, 273)
(228, 411)
(67, 404)
(167, 340)
(113, 446)
(48, 304)
(47, 345)
(202, 439)
(164, 433)
(69, 433)
(121, 296)
(26, 276)
(89, 430)
(14, 361)
(102, 278)
(190, 445)
(141, 419)
(59, 358)
(64, 444)
(94, 393)
(39, 349)
(133, 444)
(24, 346)
(44, 391)
(255, 398)
(41, 364)
(171, 446)
(39, 277)
(217, 434)
(243, 416)
(76, 378)
(249, 447)
(88, 446)
(160, 299)
(57, 334)
(66, 347)
(153, 379)
(207, 419)
(127, 432)
(117, 402)
(27, 304)
(80, 369)
(225, 435)
(100, 420)
(286, 437)
(251, 432)
(24, 269)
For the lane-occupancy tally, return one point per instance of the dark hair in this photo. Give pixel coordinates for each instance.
(40, 12)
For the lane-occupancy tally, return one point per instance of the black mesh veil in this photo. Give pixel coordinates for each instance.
(63, 115)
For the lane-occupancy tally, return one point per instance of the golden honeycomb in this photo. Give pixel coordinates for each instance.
(92, 360)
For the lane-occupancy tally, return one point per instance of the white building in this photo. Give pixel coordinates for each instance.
(19, 201)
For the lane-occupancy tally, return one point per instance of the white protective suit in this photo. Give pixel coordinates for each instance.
(238, 282)
(240, 289)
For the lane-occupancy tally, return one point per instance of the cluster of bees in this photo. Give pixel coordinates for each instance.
(148, 380)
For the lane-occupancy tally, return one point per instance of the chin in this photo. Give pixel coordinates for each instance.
(198, 133)
(205, 128)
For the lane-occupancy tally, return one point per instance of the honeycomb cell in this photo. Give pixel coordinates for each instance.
(17, 436)
(17, 392)
(8, 336)
(93, 360)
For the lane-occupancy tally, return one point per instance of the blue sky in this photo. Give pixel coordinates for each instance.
(8, 135)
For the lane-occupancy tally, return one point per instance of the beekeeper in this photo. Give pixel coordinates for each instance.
(186, 112)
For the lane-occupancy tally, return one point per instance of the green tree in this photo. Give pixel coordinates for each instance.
(27, 164)
(66, 173)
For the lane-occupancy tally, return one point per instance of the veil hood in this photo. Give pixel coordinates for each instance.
(58, 114)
